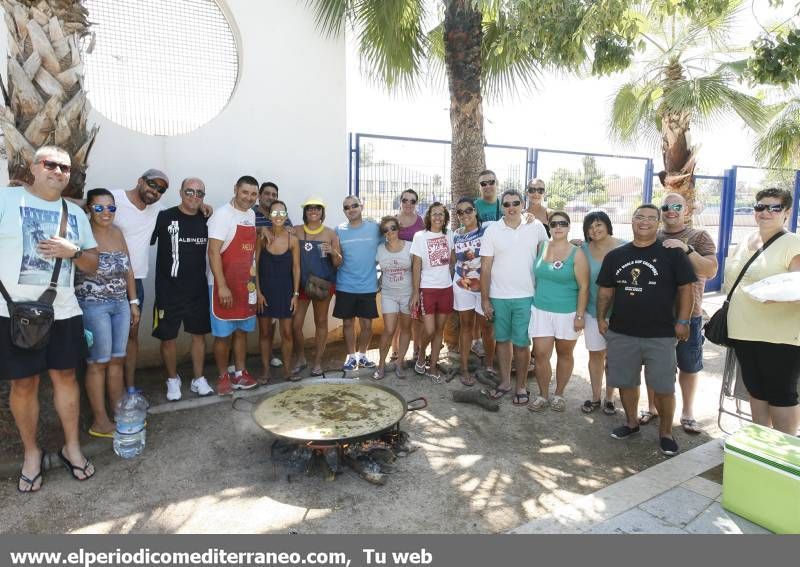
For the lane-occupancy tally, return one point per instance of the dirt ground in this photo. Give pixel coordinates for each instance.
(207, 469)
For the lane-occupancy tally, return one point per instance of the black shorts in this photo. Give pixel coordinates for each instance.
(770, 371)
(66, 350)
(193, 312)
(349, 305)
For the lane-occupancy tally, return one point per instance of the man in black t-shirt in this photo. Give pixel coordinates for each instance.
(649, 288)
(181, 286)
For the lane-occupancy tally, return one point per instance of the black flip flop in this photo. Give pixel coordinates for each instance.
(31, 481)
(71, 468)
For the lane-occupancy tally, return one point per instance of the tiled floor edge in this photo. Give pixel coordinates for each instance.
(628, 493)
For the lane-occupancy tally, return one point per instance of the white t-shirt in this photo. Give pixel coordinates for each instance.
(137, 228)
(514, 251)
(395, 270)
(26, 220)
(434, 249)
(222, 226)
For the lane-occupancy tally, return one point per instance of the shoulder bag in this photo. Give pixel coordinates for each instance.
(31, 321)
(716, 329)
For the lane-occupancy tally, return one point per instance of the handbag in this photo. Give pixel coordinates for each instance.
(317, 288)
(32, 321)
(716, 328)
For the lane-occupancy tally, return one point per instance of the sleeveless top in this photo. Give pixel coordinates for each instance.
(275, 279)
(556, 288)
(109, 283)
(407, 232)
(594, 271)
(312, 263)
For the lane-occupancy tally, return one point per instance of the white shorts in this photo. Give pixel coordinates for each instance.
(464, 300)
(591, 335)
(395, 304)
(547, 324)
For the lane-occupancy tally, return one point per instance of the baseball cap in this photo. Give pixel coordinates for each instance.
(313, 201)
(151, 174)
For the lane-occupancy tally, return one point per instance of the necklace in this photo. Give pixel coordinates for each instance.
(315, 231)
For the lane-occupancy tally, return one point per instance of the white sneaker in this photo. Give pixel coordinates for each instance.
(275, 362)
(200, 387)
(173, 389)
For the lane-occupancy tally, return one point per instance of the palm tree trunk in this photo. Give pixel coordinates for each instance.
(45, 102)
(679, 156)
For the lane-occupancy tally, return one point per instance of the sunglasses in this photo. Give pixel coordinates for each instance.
(52, 165)
(100, 208)
(559, 223)
(490, 182)
(275, 214)
(467, 211)
(313, 208)
(194, 193)
(390, 228)
(348, 207)
(760, 207)
(677, 207)
(153, 185)
(412, 201)
(539, 190)
(507, 204)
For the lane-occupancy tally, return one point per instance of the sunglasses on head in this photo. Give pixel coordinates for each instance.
(199, 193)
(153, 185)
(389, 228)
(490, 182)
(348, 207)
(559, 223)
(101, 208)
(278, 214)
(507, 204)
(539, 190)
(50, 165)
(760, 207)
(677, 207)
(406, 200)
(465, 211)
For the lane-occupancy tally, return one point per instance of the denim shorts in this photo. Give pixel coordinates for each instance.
(109, 322)
(690, 351)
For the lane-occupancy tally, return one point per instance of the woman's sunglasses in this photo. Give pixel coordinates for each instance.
(559, 223)
(100, 208)
(411, 201)
(276, 214)
(466, 211)
(539, 190)
(760, 207)
(390, 228)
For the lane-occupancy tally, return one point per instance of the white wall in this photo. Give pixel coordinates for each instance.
(285, 122)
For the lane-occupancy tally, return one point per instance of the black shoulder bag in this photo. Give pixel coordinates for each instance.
(31, 321)
(716, 329)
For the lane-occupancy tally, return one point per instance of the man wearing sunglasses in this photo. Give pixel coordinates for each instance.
(702, 253)
(181, 289)
(357, 282)
(488, 205)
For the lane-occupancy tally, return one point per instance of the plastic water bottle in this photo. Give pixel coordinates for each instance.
(129, 436)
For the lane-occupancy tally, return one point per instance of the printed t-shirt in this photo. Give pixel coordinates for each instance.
(395, 270)
(646, 281)
(357, 272)
(137, 228)
(180, 256)
(25, 221)
(701, 241)
(513, 250)
(467, 247)
(434, 249)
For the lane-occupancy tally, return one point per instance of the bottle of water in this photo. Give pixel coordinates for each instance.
(129, 436)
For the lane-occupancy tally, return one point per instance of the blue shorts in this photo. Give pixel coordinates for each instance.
(222, 328)
(690, 352)
(511, 320)
(109, 322)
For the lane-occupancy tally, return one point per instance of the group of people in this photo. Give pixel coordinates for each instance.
(521, 288)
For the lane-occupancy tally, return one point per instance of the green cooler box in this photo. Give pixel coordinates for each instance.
(761, 478)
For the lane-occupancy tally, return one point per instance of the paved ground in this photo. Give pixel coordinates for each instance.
(207, 469)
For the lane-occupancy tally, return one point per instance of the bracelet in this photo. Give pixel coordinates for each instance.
(134, 301)
(296, 294)
(683, 321)
(579, 317)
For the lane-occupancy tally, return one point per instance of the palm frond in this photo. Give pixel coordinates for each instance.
(509, 64)
(330, 16)
(779, 145)
(633, 114)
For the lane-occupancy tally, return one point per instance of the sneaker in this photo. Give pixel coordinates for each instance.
(623, 431)
(200, 387)
(668, 446)
(224, 387)
(364, 362)
(477, 348)
(275, 362)
(173, 389)
(350, 364)
(243, 382)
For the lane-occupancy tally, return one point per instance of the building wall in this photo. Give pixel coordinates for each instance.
(285, 122)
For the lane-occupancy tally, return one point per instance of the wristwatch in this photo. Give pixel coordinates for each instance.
(296, 294)
(134, 301)
(689, 249)
(579, 317)
(78, 254)
(683, 321)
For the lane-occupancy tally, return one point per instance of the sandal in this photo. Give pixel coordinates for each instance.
(609, 408)
(690, 426)
(558, 403)
(521, 399)
(294, 378)
(30, 482)
(72, 468)
(468, 383)
(589, 406)
(538, 404)
(646, 417)
(378, 374)
(419, 368)
(497, 393)
(399, 371)
(317, 372)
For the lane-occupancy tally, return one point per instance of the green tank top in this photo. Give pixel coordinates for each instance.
(556, 286)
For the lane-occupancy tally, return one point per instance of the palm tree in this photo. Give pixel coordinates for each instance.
(674, 90)
(778, 146)
(45, 102)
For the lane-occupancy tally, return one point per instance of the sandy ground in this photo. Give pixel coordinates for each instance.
(207, 469)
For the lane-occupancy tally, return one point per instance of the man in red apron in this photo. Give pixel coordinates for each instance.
(232, 283)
